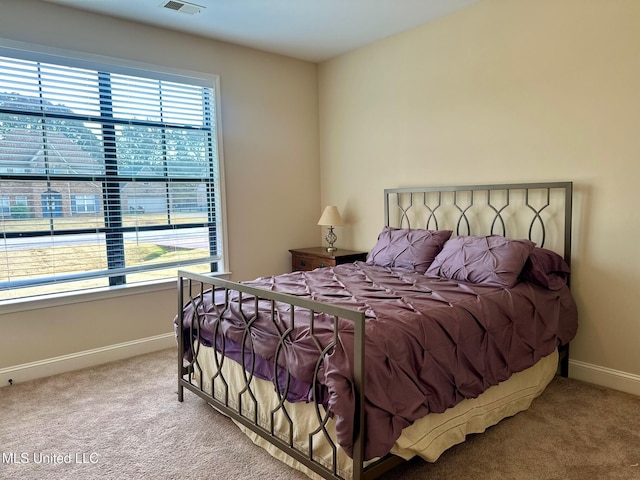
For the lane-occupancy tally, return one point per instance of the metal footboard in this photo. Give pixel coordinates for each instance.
(192, 289)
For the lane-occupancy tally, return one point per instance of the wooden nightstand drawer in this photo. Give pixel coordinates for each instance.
(300, 262)
(305, 262)
(304, 259)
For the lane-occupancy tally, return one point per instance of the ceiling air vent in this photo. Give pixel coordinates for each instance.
(183, 7)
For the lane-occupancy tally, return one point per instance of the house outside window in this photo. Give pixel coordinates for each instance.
(110, 174)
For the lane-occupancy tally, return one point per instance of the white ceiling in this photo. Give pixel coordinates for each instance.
(313, 30)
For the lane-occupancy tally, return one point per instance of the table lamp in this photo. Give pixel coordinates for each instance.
(331, 217)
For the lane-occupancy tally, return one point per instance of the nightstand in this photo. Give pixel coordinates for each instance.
(317, 257)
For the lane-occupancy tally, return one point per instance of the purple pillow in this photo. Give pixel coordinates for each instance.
(546, 268)
(491, 260)
(413, 249)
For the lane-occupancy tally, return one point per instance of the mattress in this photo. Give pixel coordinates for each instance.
(428, 437)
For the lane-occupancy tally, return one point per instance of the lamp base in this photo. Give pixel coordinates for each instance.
(331, 239)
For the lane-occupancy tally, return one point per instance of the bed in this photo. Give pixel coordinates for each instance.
(460, 317)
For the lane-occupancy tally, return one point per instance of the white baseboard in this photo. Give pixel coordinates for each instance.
(87, 358)
(586, 372)
(605, 377)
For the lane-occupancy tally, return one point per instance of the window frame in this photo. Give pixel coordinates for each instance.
(121, 66)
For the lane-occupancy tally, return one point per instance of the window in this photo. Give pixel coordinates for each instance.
(85, 203)
(5, 206)
(108, 174)
(51, 204)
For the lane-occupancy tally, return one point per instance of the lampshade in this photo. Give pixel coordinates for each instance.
(331, 216)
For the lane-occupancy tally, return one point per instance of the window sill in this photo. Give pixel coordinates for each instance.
(69, 298)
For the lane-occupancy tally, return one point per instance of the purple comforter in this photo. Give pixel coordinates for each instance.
(430, 342)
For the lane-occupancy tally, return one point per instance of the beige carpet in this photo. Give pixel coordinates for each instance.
(123, 420)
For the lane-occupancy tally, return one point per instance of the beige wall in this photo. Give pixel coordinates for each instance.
(504, 91)
(270, 142)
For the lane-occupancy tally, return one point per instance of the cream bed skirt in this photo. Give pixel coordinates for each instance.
(428, 437)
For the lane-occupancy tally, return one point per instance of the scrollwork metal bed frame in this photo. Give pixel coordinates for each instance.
(467, 210)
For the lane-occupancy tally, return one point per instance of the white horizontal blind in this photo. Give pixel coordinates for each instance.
(105, 178)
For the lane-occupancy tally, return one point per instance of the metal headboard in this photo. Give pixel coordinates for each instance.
(540, 212)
